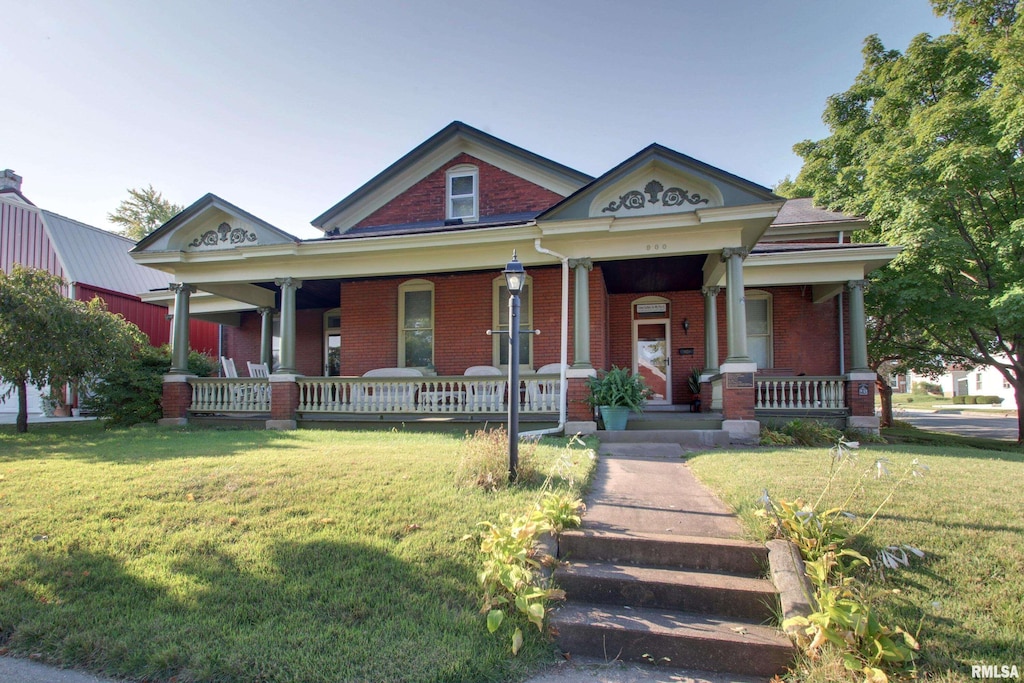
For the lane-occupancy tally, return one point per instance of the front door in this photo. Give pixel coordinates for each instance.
(651, 358)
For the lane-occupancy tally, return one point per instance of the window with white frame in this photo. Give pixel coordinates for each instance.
(463, 193)
(500, 322)
(332, 343)
(759, 328)
(416, 324)
(978, 381)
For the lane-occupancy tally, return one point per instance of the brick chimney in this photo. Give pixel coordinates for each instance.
(9, 180)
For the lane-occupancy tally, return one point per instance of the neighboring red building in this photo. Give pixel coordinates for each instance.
(94, 262)
(664, 264)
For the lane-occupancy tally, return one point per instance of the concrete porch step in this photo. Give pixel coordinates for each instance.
(694, 591)
(672, 421)
(642, 450)
(689, 641)
(687, 438)
(734, 556)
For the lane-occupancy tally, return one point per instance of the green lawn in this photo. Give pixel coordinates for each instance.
(967, 595)
(213, 555)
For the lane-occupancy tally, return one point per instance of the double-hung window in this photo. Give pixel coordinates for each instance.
(463, 193)
(500, 322)
(416, 324)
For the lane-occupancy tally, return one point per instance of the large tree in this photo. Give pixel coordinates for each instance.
(144, 211)
(49, 339)
(929, 146)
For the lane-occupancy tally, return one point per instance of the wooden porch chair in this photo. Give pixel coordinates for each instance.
(485, 396)
(228, 366)
(258, 370)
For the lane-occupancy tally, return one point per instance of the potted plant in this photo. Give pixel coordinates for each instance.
(615, 393)
(694, 381)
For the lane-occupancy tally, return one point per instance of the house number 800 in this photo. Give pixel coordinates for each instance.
(657, 247)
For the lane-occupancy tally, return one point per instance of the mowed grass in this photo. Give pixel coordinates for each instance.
(251, 556)
(967, 595)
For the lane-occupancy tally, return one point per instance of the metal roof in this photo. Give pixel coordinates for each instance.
(99, 258)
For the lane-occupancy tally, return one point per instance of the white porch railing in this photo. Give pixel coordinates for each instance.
(799, 393)
(431, 395)
(234, 395)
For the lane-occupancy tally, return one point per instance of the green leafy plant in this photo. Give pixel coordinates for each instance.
(693, 381)
(513, 577)
(618, 388)
(843, 616)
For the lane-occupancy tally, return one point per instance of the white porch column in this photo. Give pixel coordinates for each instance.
(288, 288)
(179, 332)
(581, 312)
(735, 309)
(858, 327)
(711, 329)
(266, 336)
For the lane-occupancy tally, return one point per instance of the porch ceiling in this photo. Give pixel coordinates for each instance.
(664, 274)
(313, 294)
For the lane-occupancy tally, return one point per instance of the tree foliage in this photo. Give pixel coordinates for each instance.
(132, 394)
(929, 146)
(144, 211)
(49, 339)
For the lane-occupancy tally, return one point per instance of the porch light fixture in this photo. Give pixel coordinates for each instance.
(686, 325)
(515, 278)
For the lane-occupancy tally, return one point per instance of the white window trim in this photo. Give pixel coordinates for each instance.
(458, 172)
(414, 286)
(525, 322)
(761, 294)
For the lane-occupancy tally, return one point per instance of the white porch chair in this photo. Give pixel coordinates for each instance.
(390, 397)
(258, 370)
(485, 396)
(546, 395)
(228, 366)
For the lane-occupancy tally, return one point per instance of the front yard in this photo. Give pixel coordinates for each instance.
(965, 596)
(249, 556)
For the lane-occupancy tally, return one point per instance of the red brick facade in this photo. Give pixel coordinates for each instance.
(499, 193)
(177, 397)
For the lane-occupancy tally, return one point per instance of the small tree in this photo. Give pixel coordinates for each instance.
(46, 338)
(144, 211)
(132, 394)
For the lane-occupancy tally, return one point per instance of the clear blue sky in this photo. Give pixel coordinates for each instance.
(284, 108)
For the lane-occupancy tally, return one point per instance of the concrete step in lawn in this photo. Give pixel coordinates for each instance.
(688, 438)
(699, 592)
(643, 450)
(734, 556)
(689, 641)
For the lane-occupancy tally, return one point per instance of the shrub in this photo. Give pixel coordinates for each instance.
(770, 437)
(971, 400)
(132, 395)
(484, 460)
(926, 388)
(959, 400)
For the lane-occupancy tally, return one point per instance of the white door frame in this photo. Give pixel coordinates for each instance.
(667, 322)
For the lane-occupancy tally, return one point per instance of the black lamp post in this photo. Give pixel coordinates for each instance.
(515, 278)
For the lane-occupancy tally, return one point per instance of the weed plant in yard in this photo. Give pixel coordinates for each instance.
(964, 598)
(252, 556)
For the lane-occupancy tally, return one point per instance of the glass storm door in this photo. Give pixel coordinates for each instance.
(651, 358)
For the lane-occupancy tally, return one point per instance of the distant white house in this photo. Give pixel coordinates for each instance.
(981, 381)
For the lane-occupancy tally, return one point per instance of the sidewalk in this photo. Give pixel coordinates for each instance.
(39, 418)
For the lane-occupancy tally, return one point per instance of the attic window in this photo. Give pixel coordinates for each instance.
(462, 193)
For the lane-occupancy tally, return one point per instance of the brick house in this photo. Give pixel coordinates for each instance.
(664, 264)
(94, 262)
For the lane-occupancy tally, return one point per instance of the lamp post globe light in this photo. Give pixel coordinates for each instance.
(515, 278)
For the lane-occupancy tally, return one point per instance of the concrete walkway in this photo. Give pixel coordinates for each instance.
(640, 489)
